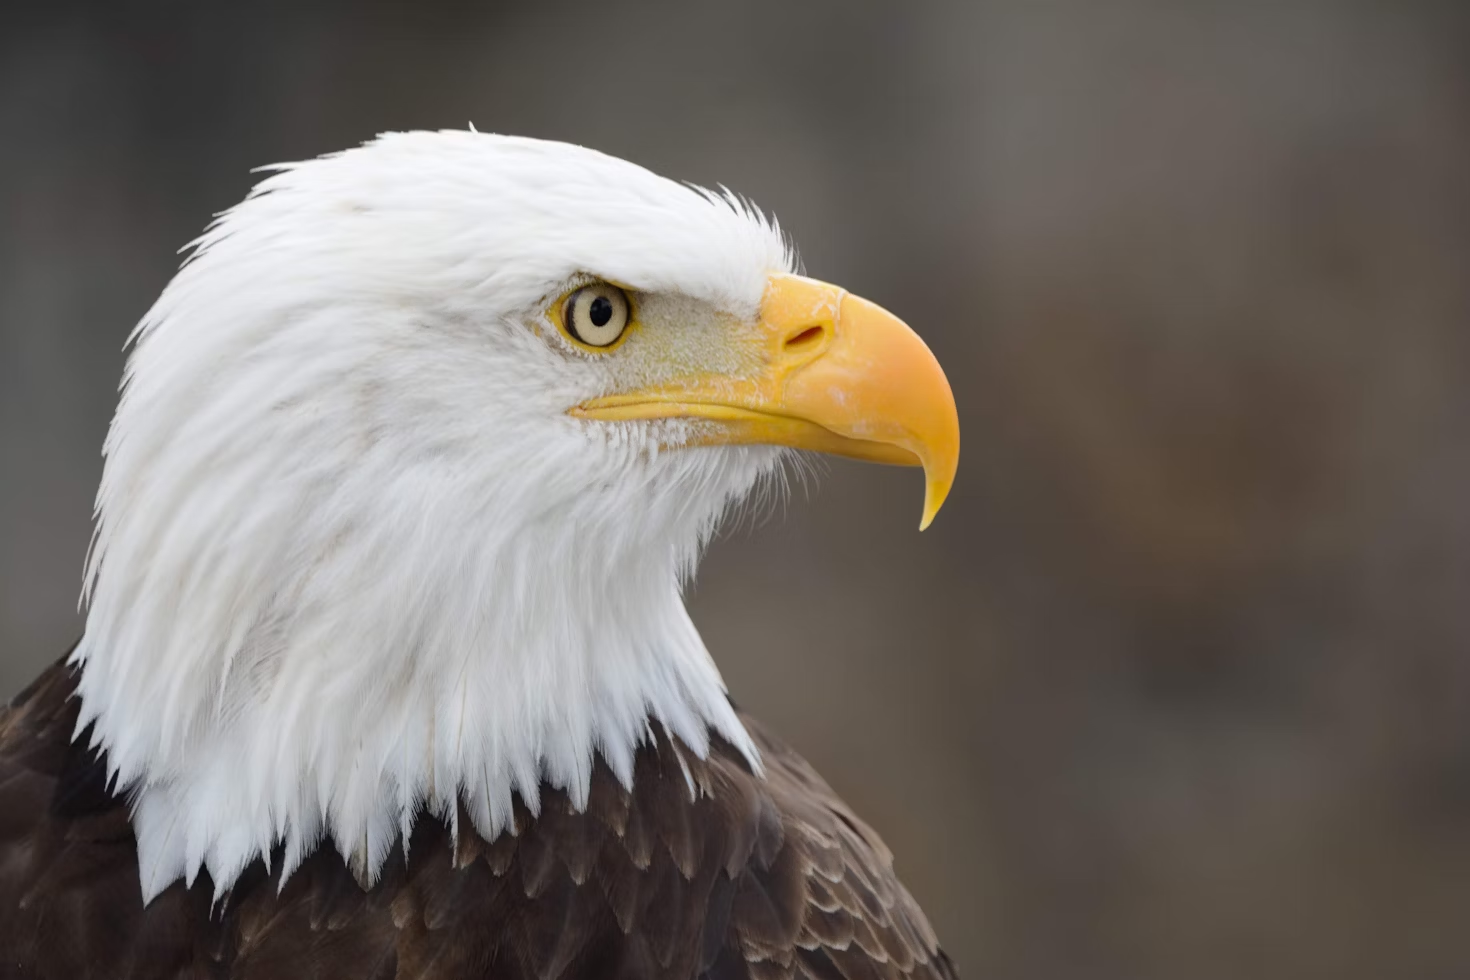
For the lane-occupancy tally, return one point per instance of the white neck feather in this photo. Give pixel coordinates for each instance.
(442, 664)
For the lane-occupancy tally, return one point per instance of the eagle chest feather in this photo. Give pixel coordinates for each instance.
(703, 870)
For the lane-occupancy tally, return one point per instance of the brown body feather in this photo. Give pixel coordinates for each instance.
(746, 878)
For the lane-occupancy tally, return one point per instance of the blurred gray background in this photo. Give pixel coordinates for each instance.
(1178, 685)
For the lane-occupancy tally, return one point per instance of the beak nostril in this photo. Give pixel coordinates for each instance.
(807, 338)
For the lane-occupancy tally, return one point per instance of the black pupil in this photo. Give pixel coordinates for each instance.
(600, 311)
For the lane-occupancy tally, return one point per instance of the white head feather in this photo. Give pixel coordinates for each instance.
(352, 557)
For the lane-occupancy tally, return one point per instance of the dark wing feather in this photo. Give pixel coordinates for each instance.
(745, 878)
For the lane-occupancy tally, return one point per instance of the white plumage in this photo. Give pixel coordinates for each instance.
(353, 557)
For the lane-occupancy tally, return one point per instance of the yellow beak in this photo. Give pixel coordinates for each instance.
(838, 375)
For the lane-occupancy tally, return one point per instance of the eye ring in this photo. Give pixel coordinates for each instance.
(596, 315)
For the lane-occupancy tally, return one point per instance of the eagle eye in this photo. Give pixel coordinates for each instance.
(596, 315)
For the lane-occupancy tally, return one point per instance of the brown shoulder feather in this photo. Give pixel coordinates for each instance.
(703, 870)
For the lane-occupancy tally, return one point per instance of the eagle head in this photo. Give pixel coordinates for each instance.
(412, 459)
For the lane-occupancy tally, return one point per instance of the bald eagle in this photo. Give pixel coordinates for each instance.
(386, 669)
